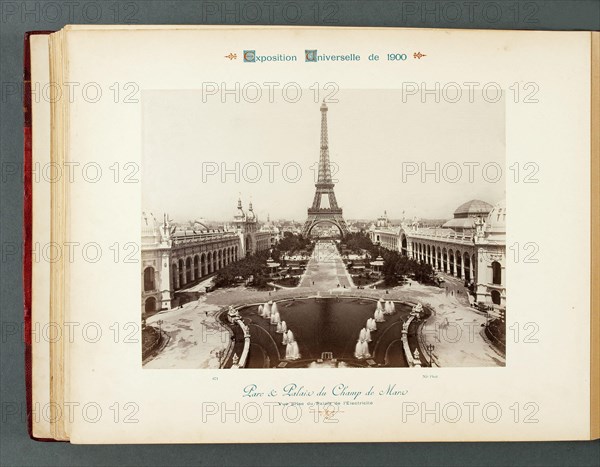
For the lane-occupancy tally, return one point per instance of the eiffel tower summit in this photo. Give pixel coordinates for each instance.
(324, 210)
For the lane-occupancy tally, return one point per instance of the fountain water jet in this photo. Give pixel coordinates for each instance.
(362, 349)
(275, 318)
(267, 310)
(292, 352)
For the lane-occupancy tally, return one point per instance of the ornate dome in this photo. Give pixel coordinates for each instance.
(250, 216)
(239, 215)
(496, 219)
(473, 208)
(150, 232)
(383, 221)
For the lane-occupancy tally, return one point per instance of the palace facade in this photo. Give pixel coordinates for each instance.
(471, 246)
(178, 257)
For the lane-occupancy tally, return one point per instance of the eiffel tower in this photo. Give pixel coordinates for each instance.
(324, 208)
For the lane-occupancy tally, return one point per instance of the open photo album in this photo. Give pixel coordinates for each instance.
(305, 234)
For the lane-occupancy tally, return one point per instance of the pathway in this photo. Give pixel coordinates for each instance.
(195, 336)
(326, 270)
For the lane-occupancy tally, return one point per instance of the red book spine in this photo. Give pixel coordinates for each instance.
(27, 222)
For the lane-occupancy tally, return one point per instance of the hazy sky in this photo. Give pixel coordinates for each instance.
(372, 133)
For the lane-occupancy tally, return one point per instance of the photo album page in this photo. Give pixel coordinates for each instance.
(314, 234)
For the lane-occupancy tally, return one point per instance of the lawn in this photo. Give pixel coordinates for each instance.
(291, 281)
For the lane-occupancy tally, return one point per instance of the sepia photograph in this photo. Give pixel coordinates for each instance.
(323, 228)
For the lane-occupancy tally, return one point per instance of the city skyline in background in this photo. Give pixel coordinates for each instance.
(200, 157)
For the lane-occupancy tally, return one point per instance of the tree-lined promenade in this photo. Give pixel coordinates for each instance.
(396, 268)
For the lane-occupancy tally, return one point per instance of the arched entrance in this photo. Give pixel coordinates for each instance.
(148, 279)
(175, 276)
(203, 266)
(467, 266)
(327, 229)
(404, 245)
(188, 270)
(150, 305)
(181, 269)
(496, 273)
(496, 297)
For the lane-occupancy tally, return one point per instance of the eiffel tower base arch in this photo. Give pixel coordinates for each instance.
(324, 218)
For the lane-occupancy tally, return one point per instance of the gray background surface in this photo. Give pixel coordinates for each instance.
(17, 17)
